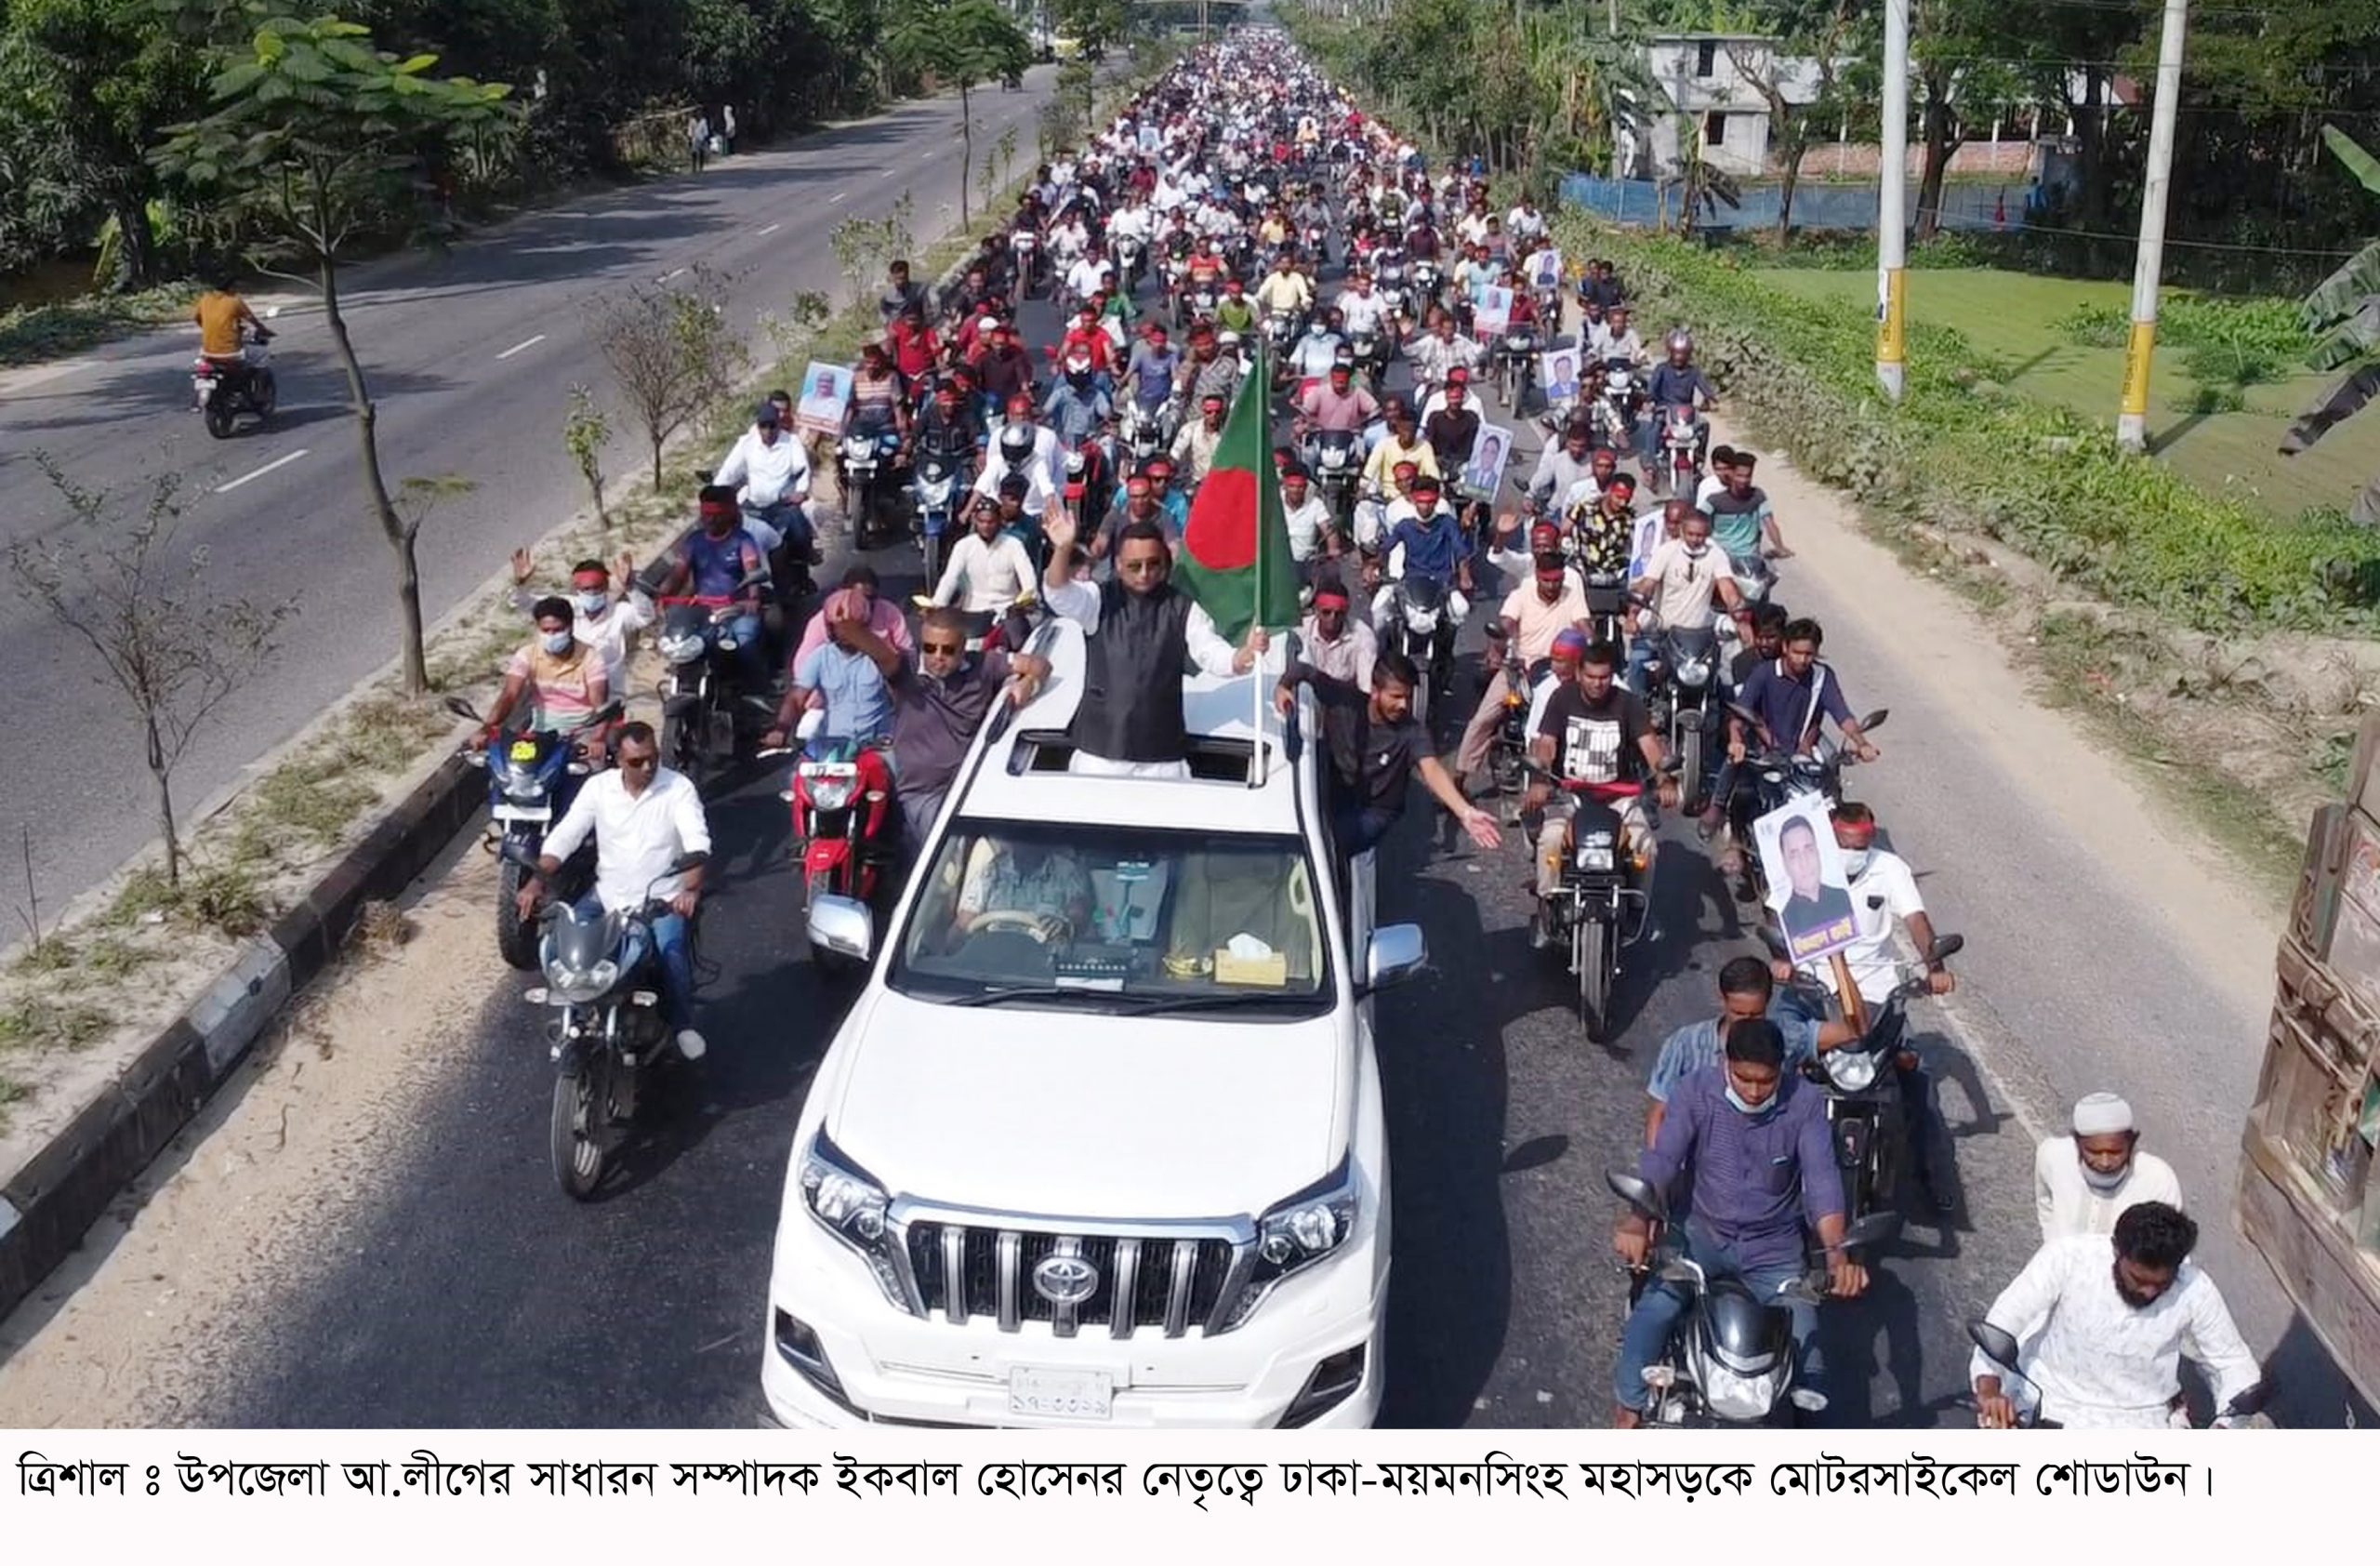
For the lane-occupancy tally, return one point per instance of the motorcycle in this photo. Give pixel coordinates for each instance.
(1370, 351)
(1681, 459)
(863, 469)
(1770, 779)
(941, 479)
(1088, 485)
(610, 1036)
(1192, 304)
(1679, 683)
(1031, 263)
(2001, 1347)
(1428, 280)
(842, 813)
(1731, 1359)
(1616, 407)
(1508, 751)
(1425, 632)
(1143, 431)
(1318, 244)
(224, 393)
(1280, 332)
(1597, 905)
(1129, 253)
(1868, 1109)
(530, 785)
(699, 699)
(1516, 364)
(1338, 459)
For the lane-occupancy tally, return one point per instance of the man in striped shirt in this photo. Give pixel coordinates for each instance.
(1756, 1146)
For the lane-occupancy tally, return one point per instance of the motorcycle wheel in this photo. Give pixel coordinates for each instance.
(582, 1105)
(516, 938)
(1589, 948)
(219, 417)
(686, 734)
(267, 395)
(929, 546)
(1421, 700)
(1689, 769)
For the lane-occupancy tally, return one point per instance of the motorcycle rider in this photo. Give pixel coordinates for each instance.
(1617, 342)
(878, 402)
(1193, 445)
(1401, 447)
(1078, 410)
(1552, 601)
(2105, 1334)
(604, 622)
(224, 320)
(839, 677)
(1318, 348)
(915, 349)
(1366, 312)
(716, 560)
(1336, 405)
(1675, 382)
(645, 818)
(861, 597)
(1453, 430)
(767, 473)
(564, 677)
(991, 564)
(1150, 377)
(1441, 355)
(1236, 313)
(1285, 291)
(900, 295)
(1572, 471)
(1308, 518)
(1594, 731)
(1025, 449)
(1755, 1142)
(2084, 1182)
(1423, 539)
(948, 428)
(1741, 522)
(1791, 694)
(1209, 372)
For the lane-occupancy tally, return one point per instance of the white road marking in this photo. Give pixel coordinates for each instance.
(836, 196)
(675, 272)
(276, 463)
(518, 346)
(770, 230)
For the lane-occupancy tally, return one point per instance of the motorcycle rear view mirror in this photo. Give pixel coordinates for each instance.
(1872, 1229)
(1875, 720)
(518, 852)
(1737, 709)
(1998, 1344)
(462, 709)
(2250, 1401)
(1638, 1192)
(1773, 942)
(1945, 946)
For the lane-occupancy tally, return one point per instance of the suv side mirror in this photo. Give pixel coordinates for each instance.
(1394, 953)
(842, 925)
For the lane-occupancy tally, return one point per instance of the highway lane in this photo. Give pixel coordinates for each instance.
(475, 1295)
(470, 355)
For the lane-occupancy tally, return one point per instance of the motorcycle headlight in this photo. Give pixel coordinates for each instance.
(1850, 1070)
(579, 986)
(1737, 1397)
(832, 793)
(681, 649)
(1295, 1234)
(1693, 671)
(848, 1203)
(1421, 620)
(1594, 851)
(520, 783)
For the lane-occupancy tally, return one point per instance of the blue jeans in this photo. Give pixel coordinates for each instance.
(1640, 657)
(668, 933)
(751, 662)
(790, 520)
(1359, 828)
(1660, 1305)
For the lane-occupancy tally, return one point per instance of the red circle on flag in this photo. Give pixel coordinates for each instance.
(1222, 531)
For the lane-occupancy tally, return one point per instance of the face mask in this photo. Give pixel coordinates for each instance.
(558, 642)
(1741, 1107)
(594, 601)
(1855, 862)
(2099, 1182)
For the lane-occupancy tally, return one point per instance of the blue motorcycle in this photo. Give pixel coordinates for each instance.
(533, 774)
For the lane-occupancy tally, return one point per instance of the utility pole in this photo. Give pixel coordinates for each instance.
(2132, 424)
(1612, 17)
(1892, 205)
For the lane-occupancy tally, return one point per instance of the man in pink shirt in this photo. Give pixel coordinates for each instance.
(1534, 614)
(858, 596)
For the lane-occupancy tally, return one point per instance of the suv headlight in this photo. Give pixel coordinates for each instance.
(849, 1204)
(1295, 1234)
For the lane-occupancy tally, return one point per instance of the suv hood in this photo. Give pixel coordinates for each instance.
(1064, 1114)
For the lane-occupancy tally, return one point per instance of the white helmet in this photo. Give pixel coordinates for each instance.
(1680, 338)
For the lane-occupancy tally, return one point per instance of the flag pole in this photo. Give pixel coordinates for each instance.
(1259, 767)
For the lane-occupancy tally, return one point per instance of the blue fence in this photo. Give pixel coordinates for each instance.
(1644, 204)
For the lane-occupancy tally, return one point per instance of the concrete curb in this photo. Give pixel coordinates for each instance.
(48, 1205)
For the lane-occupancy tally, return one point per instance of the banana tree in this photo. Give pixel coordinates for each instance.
(2343, 311)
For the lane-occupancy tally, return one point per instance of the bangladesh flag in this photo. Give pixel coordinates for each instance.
(1235, 547)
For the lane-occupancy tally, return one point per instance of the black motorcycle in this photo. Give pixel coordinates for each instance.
(1731, 1359)
(1680, 684)
(533, 774)
(1768, 780)
(603, 981)
(1599, 908)
(1508, 751)
(1338, 463)
(1516, 364)
(1424, 631)
(1870, 1108)
(703, 706)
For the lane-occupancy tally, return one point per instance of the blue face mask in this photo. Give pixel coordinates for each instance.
(558, 642)
(1741, 1107)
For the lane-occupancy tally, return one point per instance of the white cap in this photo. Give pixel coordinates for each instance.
(2101, 1114)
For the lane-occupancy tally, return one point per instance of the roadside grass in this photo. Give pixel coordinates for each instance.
(2014, 317)
(31, 334)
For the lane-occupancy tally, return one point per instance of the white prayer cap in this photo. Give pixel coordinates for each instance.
(2101, 1114)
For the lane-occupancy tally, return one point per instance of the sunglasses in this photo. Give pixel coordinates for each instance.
(942, 649)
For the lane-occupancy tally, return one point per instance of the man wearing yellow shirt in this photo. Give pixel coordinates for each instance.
(220, 314)
(1401, 447)
(1285, 290)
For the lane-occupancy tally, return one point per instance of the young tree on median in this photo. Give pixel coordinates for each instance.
(174, 650)
(317, 141)
(960, 42)
(672, 353)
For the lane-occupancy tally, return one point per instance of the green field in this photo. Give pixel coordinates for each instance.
(2009, 315)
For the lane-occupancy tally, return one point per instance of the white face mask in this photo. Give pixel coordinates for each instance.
(2099, 1182)
(594, 602)
(558, 642)
(1742, 1107)
(1855, 862)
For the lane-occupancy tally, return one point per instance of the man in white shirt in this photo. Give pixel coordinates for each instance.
(1525, 222)
(2106, 1322)
(770, 473)
(1363, 312)
(1615, 338)
(1089, 274)
(2084, 1183)
(992, 565)
(1194, 442)
(1022, 446)
(1714, 482)
(645, 818)
(1309, 518)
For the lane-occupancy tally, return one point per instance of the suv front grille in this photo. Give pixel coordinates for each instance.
(964, 1271)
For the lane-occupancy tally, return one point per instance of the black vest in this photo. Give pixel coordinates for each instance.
(1133, 670)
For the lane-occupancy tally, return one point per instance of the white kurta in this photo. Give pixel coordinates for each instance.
(2097, 1362)
(2067, 1205)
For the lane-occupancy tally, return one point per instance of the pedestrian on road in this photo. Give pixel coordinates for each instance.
(698, 140)
(2084, 1183)
(727, 126)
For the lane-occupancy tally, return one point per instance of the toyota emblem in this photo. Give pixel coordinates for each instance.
(1064, 1279)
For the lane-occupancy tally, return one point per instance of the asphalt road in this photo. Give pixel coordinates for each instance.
(471, 355)
(477, 1295)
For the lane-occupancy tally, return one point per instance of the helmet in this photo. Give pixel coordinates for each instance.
(1680, 341)
(1016, 443)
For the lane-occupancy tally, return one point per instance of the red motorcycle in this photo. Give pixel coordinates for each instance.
(843, 811)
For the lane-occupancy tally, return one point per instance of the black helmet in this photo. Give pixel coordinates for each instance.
(1016, 441)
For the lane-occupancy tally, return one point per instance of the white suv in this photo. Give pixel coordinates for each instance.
(1101, 1140)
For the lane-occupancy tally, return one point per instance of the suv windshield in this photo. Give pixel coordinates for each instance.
(1120, 919)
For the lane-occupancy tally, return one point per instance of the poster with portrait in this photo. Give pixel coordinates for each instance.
(826, 394)
(1558, 373)
(1485, 472)
(1492, 314)
(1546, 270)
(1643, 543)
(1808, 890)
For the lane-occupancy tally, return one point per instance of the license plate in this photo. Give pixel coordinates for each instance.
(203, 388)
(522, 812)
(1061, 1394)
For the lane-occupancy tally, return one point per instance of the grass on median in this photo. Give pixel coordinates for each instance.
(32, 334)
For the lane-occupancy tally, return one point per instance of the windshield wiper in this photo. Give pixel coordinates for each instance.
(1150, 1005)
(1032, 992)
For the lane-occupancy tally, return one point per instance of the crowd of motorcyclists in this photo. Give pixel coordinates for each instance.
(1241, 213)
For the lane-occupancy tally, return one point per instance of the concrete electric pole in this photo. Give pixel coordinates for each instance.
(2132, 424)
(1892, 206)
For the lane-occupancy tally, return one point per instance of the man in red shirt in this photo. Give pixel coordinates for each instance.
(915, 348)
